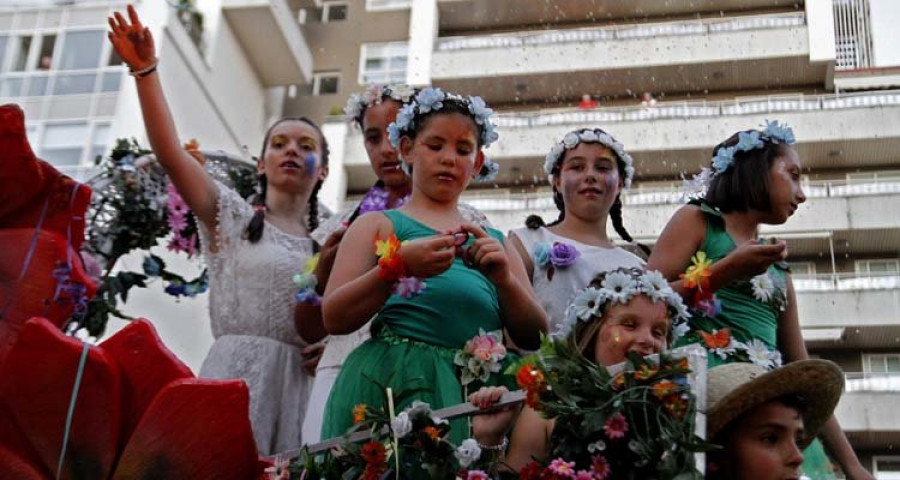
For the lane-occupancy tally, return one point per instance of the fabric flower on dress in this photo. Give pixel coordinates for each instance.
(763, 287)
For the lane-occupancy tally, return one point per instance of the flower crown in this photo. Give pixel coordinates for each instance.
(431, 100)
(572, 139)
(620, 286)
(772, 133)
(373, 95)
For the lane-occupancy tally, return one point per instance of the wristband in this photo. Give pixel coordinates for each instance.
(144, 71)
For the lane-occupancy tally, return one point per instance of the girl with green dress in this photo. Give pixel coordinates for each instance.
(432, 280)
(743, 302)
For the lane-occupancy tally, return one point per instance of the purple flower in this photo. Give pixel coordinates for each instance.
(408, 287)
(710, 306)
(563, 254)
(177, 221)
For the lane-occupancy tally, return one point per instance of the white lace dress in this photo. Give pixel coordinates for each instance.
(251, 306)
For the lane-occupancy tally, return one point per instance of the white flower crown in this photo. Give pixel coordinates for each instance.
(572, 139)
(772, 133)
(373, 95)
(620, 286)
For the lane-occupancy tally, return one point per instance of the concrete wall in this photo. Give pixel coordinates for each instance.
(885, 15)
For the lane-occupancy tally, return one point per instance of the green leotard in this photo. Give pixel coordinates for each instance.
(414, 340)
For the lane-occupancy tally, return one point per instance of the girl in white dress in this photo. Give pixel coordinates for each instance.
(588, 170)
(252, 251)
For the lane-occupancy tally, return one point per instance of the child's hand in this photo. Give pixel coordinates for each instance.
(488, 428)
(132, 42)
(753, 258)
(486, 254)
(427, 257)
(326, 258)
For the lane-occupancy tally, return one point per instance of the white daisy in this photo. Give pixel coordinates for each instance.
(763, 287)
(619, 286)
(759, 354)
(587, 303)
(655, 285)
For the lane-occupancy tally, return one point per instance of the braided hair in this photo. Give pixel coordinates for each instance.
(254, 229)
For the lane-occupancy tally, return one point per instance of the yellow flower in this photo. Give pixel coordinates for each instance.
(387, 248)
(698, 273)
(359, 413)
(311, 264)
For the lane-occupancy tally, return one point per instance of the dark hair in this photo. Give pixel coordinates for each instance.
(451, 105)
(254, 229)
(745, 185)
(534, 222)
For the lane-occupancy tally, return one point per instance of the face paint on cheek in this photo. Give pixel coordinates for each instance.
(611, 181)
(311, 164)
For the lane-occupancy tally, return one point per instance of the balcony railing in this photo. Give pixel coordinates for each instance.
(622, 32)
(846, 282)
(700, 109)
(872, 382)
(639, 195)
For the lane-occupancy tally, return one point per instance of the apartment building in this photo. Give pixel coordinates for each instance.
(672, 79)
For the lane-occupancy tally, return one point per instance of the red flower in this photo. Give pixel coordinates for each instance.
(140, 413)
(600, 467)
(616, 426)
(531, 471)
(532, 380)
(373, 453)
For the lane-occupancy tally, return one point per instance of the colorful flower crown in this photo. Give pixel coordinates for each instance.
(620, 286)
(572, 139)
(373, 95)
(431, 100)
(772, 133)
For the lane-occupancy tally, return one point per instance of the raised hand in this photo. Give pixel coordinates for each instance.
(753, 258)
(427, 257)
(132, 41)
(486, 254)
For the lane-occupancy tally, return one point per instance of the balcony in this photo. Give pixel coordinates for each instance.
(716, 54)
(272, 41)
(467, 15)
(867, 410)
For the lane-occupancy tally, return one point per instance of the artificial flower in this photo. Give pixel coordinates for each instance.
(562, 468)
(401, 425)
(477, 475)
(430, 99)
(563, 254)
(698, 273)
(663, 388)
(763, 287)
(541, 254)
(587, 303)
(359, 413)
(467, 452)
(600, 467)
(616, 426)
(480, 357)
(619, 286)
(408, 287)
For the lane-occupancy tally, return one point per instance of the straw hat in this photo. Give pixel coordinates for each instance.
(736, 388)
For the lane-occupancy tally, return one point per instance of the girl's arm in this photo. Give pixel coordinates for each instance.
(355, 291)
(523, 254)
(134, 44)
(790, 342)
(308, 318)
(529, 440)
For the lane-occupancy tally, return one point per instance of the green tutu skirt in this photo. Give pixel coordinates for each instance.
(402, 364)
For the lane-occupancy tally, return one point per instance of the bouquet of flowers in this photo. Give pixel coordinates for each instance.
(636, 424)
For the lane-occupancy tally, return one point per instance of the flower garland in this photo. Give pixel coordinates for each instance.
(772, 133)
(373, 95)
(480, 357)
(557, 255)
(376, 200)
(391, 269)
(307, 281)
(620, 286)
(573, 139)
(637, 423)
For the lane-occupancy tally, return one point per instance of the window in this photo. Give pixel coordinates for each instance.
(20, 53)
(325, 83)
(11, 87)
(881, 363)
(74, 84)
(383, 63)
(887, 468)
(37, 87)
(887, 175)
(334, 12)
(111, 81)
(45, 57)
(375, 5)
(3, 41)
(803, 269)
(81, 50)
(99, 141)
(63, 143)
(878, 266)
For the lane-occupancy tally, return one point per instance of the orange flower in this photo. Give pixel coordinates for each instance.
(359, 413)
(718, 339)
(697, 275)
(387, 248)
(663, 388)
(675, 404)
(373, 453)
(645, 372)
(532, 380)
(432, 432)
(618, 381)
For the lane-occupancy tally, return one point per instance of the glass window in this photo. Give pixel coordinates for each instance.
(63, 143)
(878, 266)
(11, 87)
(3, 42)
(45, 57)
(20, 52)
(334, 12)
(887, 363)
(383, 63)
(99, 141)
(81, 50)
(74, 84)
(111, 81)
(803, 269)
(387, 4)
(326, 83)
(37, 86)
(887, 468)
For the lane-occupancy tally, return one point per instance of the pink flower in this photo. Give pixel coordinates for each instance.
(600, 467)
(477, 475)
(176, 203)
(584, 475)
(178, 244)
(616, 426)
(562, 468)
(408, 287)
(486, 348)
(177, 221)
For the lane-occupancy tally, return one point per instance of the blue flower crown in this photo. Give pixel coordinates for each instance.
(431, 100)
(772, 133)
